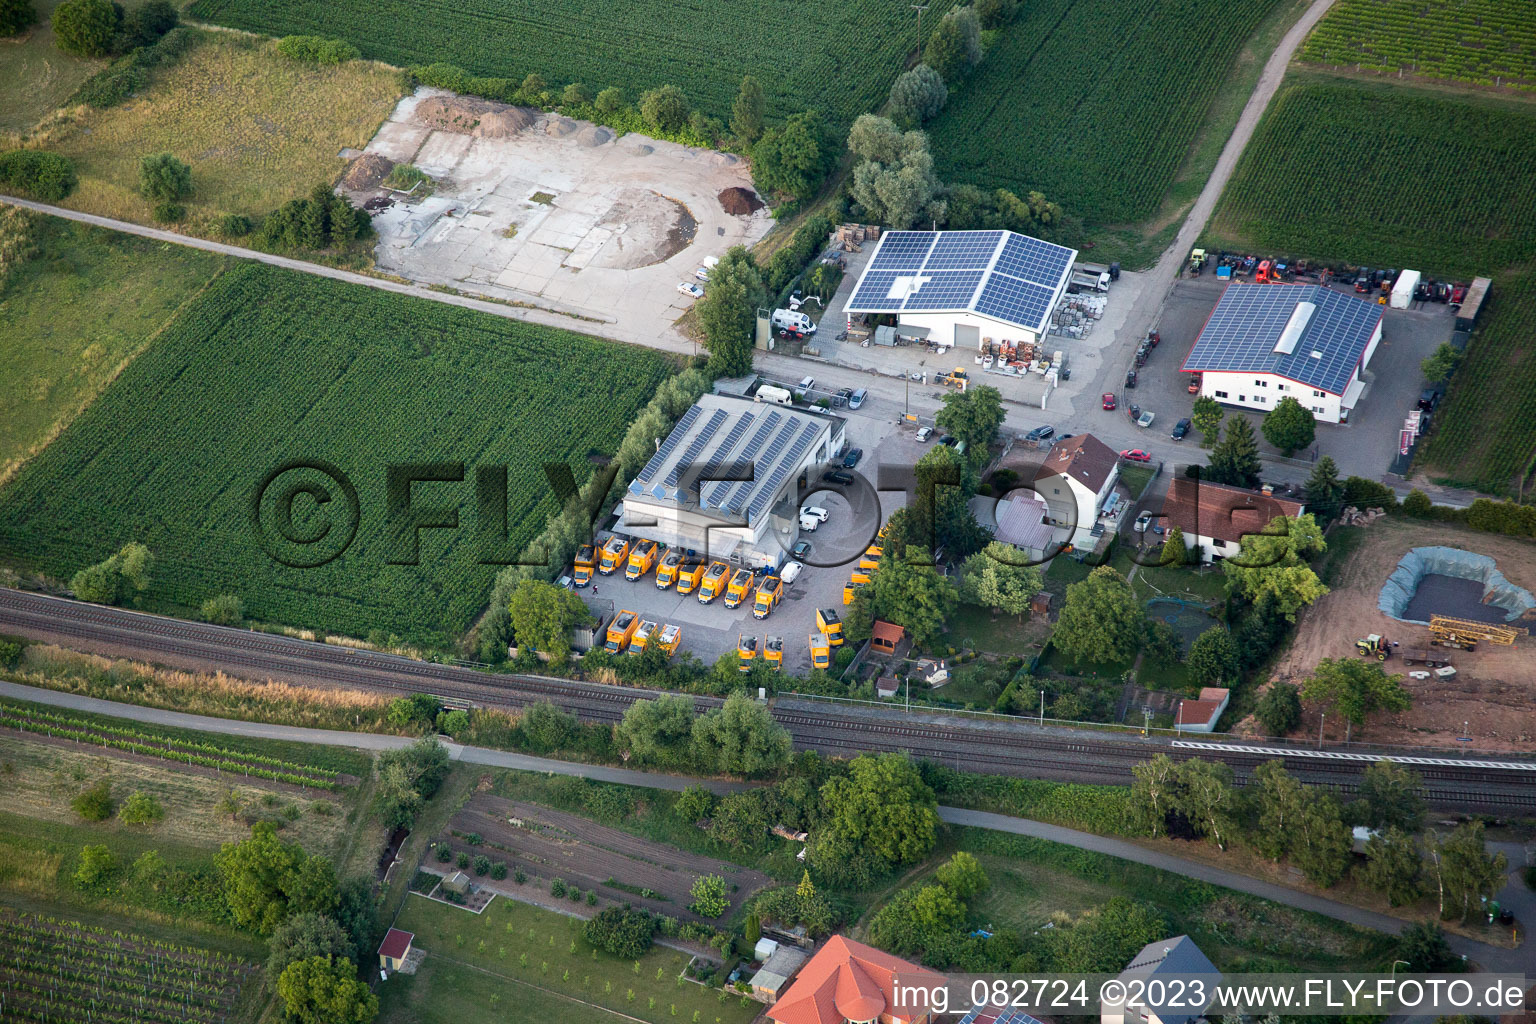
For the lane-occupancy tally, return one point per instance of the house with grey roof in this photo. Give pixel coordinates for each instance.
(1164, 959)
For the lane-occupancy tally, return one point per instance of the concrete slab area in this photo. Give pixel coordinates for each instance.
(560, 215)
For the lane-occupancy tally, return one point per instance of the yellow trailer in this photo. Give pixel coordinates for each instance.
(641, 559)
(821, 651)
(714, 582)
(621, 631)
(615, 552)
(773, 653)
(586, 562)
(828, 622)
(666, 573)
(688, 577)
(768, 594)
(746, 650)
(739, 587)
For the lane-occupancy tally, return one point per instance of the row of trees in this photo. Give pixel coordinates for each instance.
(740, 737)
(1289, 426)
(95, 28)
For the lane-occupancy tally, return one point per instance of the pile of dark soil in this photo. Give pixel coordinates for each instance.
(366, 172)
(740, 201)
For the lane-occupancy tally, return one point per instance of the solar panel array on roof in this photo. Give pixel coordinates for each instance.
(783, 466)
(997, 1015)
(999, 274)
(1247, 324)
(705, 433)
(716, 494)
(678, 432)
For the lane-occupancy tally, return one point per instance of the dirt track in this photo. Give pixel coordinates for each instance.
(548, 844)
(1494, 691)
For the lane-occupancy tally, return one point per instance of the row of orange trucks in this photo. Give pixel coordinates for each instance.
(868, 563)
(630, 633)
(673, 568)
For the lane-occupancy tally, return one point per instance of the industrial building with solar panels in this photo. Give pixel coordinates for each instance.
(1265, 342)
(958, 287)
(724, 483)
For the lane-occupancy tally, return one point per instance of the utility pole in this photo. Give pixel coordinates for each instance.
(1322, 717)
(1042, 707)
(919, 8)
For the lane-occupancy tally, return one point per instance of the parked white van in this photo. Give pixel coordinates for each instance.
(790, 320)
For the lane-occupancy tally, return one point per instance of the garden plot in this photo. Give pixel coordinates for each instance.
(536, 208)
(546, 844)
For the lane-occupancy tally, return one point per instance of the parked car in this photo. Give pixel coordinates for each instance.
(1039, 434)
(806, 385)
(1458, 293)
(801, 550)
(1130, 378)
(813, 512)
(1142, 522)
(841, 398)
(1109, 400)
(948, 439)
(809, 523)
(1145, 419)
(857, 398)
(923, 434)
(1135, 455)
(837, 476)
(690, 289)
(1180, 430)
(790, 572)
(852, 458)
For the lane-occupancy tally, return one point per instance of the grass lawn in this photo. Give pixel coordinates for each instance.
(542, 969)
(1057, 661)
(974, 627)
(257, 129)
(1135, 476)
(119, 291)
(36, 77)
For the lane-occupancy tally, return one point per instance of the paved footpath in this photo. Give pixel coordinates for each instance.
(1490, 957)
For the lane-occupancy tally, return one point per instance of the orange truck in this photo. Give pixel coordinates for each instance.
(773, 653)
(714, 582)
(768, 594)
(689, 575)
(621, 631)
(615, 552)
(641, 558)
(670, 638)
(746, 650)
(851, 588)
(739, 588)
(870, 560)
(586, 561)
(821, 651)
(666, 572)
(830, 625)
(643, 634)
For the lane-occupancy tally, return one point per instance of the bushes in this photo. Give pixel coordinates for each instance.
(317, 49)
(224, 610)
(141, 809)
(622, 931)
(95, 802)
(806, 243)
(96, 865)
(16, 15)
(33, 172)
(85, 27)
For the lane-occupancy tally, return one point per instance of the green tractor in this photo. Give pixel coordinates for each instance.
(1375, 645)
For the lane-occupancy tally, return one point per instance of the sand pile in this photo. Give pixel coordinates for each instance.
(594, 135)
(740, 201)
(454, 113)
(498, 124)
(366, 172)
(560, 127)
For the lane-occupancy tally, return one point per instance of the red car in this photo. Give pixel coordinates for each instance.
(1109, 400)
(1135, 455)
(1194, 383)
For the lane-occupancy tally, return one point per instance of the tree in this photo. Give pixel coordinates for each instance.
(1154, 793)
(94, 803)
(85, 27)
(658, 731)
(116, 579)
(664, 108)
(879, 816)
(913, 918)
(1461, 870)
(1324, 490)
(1213, 658)
(165, 179)
(1235, 459)
(543, 615)
(1279, 709)
(575, 95)
(1418, 505)
(795, 157)
(741, 738)
(229, 803)
(711, 897)
(1101, 620)
(999, 577)
(258, 874)
(996, 13)
(1321, 843)
(622, 931)
(144, 25)
(1354, 689)
(747, 111)
(694, 804)
(973, 416)
(407, 778)
(962, 875)
(728, 312)
(908, 591)
(1175, 548)
(1441, 363)
(307, 935)
(547, 727)
(453, 723)
(1104, 940)
(1389, 796)
(609, 100)
(141, 809)
(894, 181)
(322, 990)
(955, 45)
(1289, 426)
(1205, 797)
(1281, 803)
(938, 514)
(1271, 566)
(224, 610)
(97, 864)
(917, 95)
(46, 176)
(740, 821)
(1393, 867)
(1163, 643)
(1423, 946)
(16, 15)
(1206, 418)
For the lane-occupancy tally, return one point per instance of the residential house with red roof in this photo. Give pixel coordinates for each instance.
(847, 981)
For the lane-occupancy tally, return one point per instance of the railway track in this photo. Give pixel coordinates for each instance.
(1016, 749)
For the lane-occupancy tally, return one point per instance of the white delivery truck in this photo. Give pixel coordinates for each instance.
(1402, 291)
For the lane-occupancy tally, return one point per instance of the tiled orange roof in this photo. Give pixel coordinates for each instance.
(845, 980)
(887, 632)
(1201, 509)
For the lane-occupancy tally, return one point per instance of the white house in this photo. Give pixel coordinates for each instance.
(1214, 518)
(725, 482)
(1202, 715)
(1078, 475)
(1167, 958)
(1266, 342)
(963, 286)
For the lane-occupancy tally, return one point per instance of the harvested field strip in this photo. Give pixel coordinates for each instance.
(58, 970)
(135, 741)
